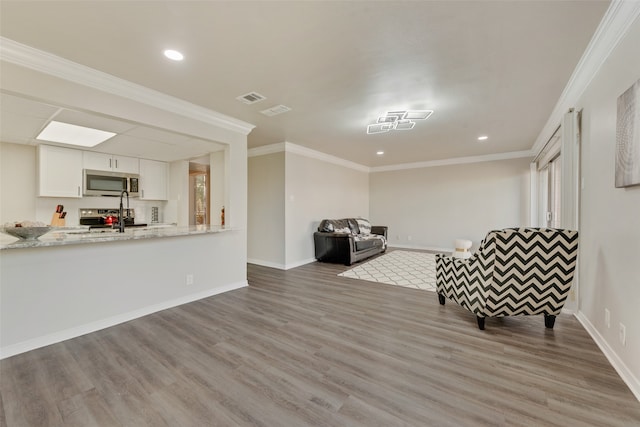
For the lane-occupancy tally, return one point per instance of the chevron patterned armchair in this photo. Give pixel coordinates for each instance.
(514, 271)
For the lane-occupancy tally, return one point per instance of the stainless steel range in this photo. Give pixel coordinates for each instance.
(107, 218)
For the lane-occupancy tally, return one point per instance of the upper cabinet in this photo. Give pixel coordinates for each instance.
(153, 180)
(59, 172)
(108, 162)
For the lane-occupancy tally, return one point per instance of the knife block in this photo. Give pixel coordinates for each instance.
(56, 221)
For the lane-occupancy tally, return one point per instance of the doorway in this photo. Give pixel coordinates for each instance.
(199, 203)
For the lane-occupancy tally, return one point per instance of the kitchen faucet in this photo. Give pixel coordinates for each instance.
(121, 213)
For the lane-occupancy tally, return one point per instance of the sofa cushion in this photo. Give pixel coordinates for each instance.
(345, 230)
(368, 242)
(333, 225)
(353, 225)
(364, 226)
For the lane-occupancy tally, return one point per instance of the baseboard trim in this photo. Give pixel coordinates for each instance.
(280, 266)
(77, 331)
(266, 263)
(300, 263)
(627, 376)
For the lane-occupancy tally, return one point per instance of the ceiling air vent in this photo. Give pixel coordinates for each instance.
(273, 111)
(251, 98)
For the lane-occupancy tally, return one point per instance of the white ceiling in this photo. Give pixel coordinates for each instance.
(493, 68)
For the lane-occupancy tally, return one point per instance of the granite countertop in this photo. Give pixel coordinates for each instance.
(81, 235)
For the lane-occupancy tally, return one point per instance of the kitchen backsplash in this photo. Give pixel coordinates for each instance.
(45, 206)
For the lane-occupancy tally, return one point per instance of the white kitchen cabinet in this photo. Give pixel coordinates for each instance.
(153, 180)
(59, 172)
(108, 162)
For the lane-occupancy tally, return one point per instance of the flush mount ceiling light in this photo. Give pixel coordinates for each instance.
(173, 55)
(66, 133)
(398, 120)
(483, 138)
(380, 153)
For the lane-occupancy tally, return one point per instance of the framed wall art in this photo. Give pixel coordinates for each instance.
(628, 137)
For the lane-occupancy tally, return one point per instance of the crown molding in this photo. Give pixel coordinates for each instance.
(289, 147)
(307, 152)
(613, 27)
(47, 63)
(455, 161)
(266, 149)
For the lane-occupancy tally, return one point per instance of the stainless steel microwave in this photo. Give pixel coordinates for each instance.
(103, 183)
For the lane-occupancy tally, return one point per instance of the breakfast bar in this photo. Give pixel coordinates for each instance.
(61, 236)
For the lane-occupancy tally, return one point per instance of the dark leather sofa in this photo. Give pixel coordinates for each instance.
(348, 240)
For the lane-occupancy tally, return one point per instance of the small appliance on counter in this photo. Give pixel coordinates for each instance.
(106, 218)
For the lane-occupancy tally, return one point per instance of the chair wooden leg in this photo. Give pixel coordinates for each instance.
(480, 322)
(441, 299)
(549, 320)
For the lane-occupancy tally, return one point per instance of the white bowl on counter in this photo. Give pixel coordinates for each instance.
(27, 233)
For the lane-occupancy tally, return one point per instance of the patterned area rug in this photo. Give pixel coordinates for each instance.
(401, 268)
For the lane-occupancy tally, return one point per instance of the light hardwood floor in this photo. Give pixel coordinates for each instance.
(306, 347)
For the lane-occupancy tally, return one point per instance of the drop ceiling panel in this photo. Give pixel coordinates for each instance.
(157, 135)
(25, 107)
(93, 121)
(19, 129)
(127, 145)
(209, 146)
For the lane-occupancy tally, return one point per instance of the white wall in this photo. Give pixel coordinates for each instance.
(316, 189)
(430, 207)
(178, 205)
(609, 271)
(219, 185)
(266, 210)
(289, 194)
(17, 183)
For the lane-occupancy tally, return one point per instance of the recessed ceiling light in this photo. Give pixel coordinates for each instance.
(173, 55)
(483, 138)
(380, 153)
(66, 133)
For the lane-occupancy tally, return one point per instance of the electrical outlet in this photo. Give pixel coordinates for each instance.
(623, 335)
(607, 318)
(189, 279)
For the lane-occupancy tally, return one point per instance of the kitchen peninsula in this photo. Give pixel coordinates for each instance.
(82, 235)
(65, 285)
